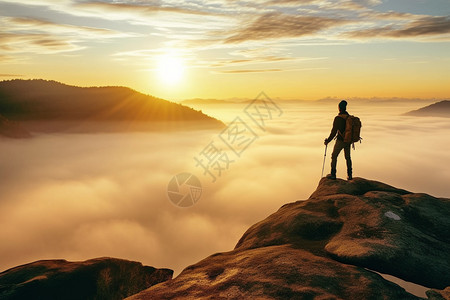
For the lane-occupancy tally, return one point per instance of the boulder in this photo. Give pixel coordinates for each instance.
(100, 278)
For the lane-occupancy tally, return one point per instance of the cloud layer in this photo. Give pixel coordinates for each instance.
(81, 196)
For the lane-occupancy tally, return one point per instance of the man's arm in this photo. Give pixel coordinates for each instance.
(333, 131)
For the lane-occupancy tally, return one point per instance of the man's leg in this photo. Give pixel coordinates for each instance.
(337, 149)
(348, 159)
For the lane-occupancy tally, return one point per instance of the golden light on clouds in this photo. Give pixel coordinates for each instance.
(106, 194)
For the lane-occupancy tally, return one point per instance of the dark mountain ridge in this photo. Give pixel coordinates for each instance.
(41, 100)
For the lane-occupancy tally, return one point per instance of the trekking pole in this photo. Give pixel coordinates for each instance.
(324, 157)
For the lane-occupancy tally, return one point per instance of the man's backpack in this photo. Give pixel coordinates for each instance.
(352, 129)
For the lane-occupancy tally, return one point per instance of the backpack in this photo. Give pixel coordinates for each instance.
(352, 129)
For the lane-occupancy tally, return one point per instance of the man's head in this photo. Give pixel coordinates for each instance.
(342, 106)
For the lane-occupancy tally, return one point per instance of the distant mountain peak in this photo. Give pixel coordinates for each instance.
(438, 109)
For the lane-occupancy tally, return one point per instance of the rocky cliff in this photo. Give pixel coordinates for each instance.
(328, 247)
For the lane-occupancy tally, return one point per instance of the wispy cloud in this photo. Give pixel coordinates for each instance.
(353, 4)
(6, 58)
(39, 2)
(243, 71)
(248, 71)
(267, 59)
(32, 35)
(389, 15)
(423, 27)
(281, 25)
(259, 60)
(10, 75)
(367, 2)
(146, 8)
(33, 24)
(290, 2)
(36, 43)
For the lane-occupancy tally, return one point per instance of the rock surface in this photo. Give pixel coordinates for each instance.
(322, 248)
(100, 278)
(439, 295)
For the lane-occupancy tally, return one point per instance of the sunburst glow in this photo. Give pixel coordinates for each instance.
(170, 69)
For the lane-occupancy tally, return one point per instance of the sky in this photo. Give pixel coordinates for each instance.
(291, 49)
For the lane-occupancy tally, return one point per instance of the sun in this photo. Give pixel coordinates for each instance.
(170, 69)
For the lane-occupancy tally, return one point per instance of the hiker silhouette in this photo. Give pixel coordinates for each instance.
(337, 131)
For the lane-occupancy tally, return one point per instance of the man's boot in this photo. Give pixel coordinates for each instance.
(331, 176)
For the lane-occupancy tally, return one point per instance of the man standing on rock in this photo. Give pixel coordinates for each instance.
(339, 129)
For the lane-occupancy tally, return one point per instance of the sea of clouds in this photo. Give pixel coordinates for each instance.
(80, 196)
